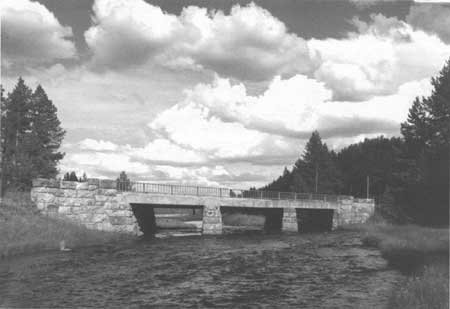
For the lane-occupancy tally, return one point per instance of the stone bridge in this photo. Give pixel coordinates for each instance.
(129, 207)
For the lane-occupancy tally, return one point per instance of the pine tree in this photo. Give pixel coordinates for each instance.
(73, 176)
(46, 134)
(316, 170)
(123, 182)
(16, 124)
(427, 136)
(31, 137)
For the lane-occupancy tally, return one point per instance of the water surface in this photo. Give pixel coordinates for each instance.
(329, 270)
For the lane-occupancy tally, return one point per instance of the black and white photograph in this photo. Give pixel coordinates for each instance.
(224, 154)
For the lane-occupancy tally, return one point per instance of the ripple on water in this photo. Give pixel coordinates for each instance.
(309, 271)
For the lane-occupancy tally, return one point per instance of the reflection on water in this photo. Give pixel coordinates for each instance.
(308, 271)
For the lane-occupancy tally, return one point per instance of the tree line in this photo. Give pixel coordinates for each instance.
(31, 135)
(408, 175)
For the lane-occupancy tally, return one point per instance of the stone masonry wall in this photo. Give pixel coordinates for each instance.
(95, 204)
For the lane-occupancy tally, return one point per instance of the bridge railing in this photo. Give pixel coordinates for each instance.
(146, 187)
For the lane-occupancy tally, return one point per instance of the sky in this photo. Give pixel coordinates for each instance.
(220, 92)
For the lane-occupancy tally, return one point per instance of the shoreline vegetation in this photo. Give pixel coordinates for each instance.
(24, 231)
(421, 253)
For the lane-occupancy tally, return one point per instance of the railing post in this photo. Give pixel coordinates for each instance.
(171, 189)
(279, 193)
(197, 190)
(261, 194)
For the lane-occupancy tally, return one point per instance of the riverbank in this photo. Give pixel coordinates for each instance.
(420, 252)
(23, 231)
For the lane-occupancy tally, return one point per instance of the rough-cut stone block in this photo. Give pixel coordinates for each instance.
(41, 189)
(85, 194)
(108, 184)
(122, 213)
(117, 220)
(100, 198)
(107, 192)
(70, 193)
(64, 210)
(69, 185)
(46, 198)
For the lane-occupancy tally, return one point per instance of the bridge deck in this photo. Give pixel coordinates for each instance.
(169, 189)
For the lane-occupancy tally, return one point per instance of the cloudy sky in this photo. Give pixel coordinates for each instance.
(220, 92)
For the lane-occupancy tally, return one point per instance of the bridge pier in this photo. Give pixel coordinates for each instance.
(212, 218)
(289, 221)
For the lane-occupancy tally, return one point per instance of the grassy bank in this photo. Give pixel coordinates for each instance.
(421, 253)
(23, 230)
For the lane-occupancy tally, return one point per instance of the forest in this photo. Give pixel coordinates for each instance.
(408, 176)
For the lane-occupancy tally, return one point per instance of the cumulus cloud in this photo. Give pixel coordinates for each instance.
(107, 162)
(91, 144)
(431, 18)
(249, 43)
(223, 119)
(218, 125)
(382, 55)
(31, 34)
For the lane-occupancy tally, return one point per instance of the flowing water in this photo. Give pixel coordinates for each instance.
(328, 270)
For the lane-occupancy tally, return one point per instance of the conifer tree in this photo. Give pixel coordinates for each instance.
(316, 170)
(46, 134)
(31, 137)
(15, 126)
(427, 138)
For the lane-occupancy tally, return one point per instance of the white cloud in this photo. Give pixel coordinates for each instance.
(91, 144)
(249, 43)
(166, 151)
(376, 60)
(221, 119)
(32, 35)
(108, 162)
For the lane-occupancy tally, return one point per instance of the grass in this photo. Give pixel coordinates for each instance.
(429, 290)
(23, 230)
(420, 252)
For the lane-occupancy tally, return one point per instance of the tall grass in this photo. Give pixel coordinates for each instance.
(420, 252)
(429, 290)
(24, 230)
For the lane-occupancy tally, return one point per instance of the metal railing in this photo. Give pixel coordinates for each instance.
(145, 187)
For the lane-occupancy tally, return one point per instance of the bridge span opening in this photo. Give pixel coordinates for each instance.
(314, 220)
(154, 218)
(248, 218)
